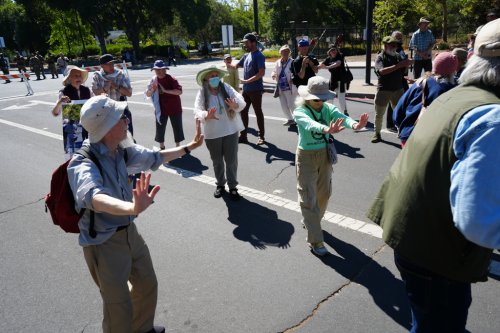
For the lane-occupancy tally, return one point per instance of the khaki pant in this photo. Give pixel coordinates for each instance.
(382, 100)
(314, 184)
(124, 257)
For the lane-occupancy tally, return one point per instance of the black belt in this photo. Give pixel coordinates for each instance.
(122, 227)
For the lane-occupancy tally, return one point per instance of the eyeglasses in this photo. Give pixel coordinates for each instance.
(318, 100)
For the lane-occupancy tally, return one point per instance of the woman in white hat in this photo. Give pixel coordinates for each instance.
(282, 74)
(74, 92)
(317, 121)
(218, 107)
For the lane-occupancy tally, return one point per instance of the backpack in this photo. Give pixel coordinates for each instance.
(60, 201)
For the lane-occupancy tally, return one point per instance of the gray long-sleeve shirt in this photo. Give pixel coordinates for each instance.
(86, 181)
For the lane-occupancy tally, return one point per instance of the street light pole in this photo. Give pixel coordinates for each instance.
(369, 33)
(256, 16)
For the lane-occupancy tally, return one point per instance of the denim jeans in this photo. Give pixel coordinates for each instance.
(437, 304)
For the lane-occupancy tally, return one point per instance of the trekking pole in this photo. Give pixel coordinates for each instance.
(27, 82)
(126, 69)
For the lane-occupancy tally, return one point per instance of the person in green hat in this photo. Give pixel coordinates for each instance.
(218, 107)
(390, 69)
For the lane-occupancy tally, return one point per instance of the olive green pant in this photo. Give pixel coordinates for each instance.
(314, 185)
(382, 100)
(122, 258)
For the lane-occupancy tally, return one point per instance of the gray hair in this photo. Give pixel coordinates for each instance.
(299, 101)
(396, 32)
(481, 71)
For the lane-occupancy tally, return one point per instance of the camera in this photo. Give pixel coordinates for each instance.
(311, 56)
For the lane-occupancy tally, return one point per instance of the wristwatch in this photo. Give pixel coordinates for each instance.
(186, 150)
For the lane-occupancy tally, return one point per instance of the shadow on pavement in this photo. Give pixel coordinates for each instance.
(273, 153)
(388, 292)
(258, 225)
(346, 150)
(190, 163)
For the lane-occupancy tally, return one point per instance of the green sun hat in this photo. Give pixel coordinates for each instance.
(201, 74)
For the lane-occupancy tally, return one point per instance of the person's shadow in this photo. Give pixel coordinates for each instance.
(388, 292)
(257, 224)
(347, 150)
(189, 163)
(273, 153)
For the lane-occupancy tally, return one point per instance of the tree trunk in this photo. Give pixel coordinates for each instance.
(445, 21)
(133, 36)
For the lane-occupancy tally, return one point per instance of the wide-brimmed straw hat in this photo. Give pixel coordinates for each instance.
(317, 88)
(201, 74)
(99, 114)
(70, 68)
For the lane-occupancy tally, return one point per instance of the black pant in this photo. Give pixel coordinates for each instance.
(426, 65)
(253, 98)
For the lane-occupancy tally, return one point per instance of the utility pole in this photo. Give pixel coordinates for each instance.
(369, 34)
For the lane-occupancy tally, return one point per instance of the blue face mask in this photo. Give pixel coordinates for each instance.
(214, 81)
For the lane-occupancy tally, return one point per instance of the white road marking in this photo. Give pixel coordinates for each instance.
(32, 129)
(340, 220)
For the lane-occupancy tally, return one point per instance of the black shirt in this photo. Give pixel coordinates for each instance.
(296, 66)
(337, 73)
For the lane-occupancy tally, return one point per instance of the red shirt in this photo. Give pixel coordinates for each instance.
(169, 104)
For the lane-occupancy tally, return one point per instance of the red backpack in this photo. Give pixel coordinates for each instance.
(60, 201)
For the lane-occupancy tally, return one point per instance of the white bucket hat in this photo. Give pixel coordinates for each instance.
(99, 114)
(317, 88)
(70, 68)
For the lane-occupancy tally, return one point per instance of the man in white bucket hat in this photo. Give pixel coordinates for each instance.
(114, 250)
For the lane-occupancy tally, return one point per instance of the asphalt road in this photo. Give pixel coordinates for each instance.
(222, 266)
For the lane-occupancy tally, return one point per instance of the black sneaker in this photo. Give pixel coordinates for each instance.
(219, 191)
(346, 113)
(235, 196)
(242, 139)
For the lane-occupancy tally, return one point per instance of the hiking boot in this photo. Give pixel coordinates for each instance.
(376, 138)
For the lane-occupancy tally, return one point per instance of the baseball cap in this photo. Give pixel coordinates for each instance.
(250, 37)
(160, 64)
(303, 42)
(106, 58)
(227, 55)
(487, 43)
(99, 114)
(389, 40)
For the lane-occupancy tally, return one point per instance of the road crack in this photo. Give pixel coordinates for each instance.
(22, 206)
(333, 294)
(279, 174)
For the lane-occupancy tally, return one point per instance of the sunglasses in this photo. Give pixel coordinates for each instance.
(318, 100)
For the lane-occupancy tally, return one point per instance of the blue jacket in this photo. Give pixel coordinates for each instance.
(408, 109)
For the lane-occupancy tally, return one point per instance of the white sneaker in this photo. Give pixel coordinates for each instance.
(319, 250)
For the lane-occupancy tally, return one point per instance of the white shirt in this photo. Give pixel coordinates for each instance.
(217, 128)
